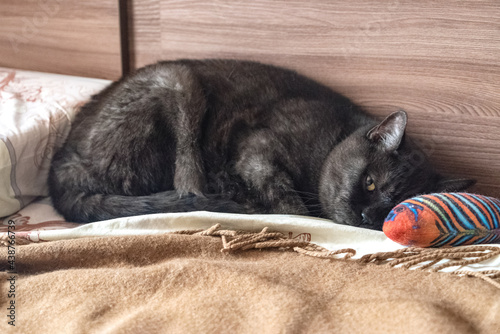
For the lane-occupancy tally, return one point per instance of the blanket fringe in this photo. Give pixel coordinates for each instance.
(6, 240)
(429, 259)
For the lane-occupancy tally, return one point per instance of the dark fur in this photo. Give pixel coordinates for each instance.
(233, 136)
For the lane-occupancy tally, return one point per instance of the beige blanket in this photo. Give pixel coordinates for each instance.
(183, 284)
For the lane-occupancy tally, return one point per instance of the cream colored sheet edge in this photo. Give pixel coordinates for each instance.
(319, 231)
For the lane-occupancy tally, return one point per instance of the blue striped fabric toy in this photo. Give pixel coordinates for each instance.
(445, 219)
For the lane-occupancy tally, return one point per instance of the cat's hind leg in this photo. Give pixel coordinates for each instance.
(190, 107)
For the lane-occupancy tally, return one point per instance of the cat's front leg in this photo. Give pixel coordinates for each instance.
(272, 185)
(279, 194)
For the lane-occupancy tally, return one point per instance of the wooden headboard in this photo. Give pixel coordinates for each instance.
(61, 36)
(439, 61)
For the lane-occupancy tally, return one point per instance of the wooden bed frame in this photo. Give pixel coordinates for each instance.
(439, 61)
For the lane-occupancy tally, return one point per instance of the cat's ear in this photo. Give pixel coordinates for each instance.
(452, 185)
(390, 132)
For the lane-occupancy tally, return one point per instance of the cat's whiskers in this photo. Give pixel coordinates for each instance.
(307, 193)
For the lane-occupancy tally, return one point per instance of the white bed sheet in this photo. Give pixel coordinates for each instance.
(322, 232)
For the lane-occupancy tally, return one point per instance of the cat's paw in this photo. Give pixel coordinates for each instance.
(189, 180)
(292, 205)
(189, 176)
(214, 203)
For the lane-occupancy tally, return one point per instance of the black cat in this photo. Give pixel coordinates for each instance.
(233, 136)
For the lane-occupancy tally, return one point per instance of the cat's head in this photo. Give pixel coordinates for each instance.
(374, 169)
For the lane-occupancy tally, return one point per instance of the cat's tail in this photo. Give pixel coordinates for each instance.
(85, 208)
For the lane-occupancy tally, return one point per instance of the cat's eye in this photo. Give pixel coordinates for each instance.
(369, 184)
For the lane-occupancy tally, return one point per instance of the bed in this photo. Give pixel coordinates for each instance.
(206, 272)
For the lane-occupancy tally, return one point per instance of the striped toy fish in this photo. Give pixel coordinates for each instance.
(444, 219)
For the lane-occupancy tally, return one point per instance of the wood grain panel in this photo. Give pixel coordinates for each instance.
(438, 60)
(145, 33)
(61, 36)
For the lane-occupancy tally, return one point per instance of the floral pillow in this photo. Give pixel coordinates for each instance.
(36, 110)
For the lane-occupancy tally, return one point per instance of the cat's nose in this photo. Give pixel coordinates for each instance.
(366, 219)
(374, 217)
(370, 221)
